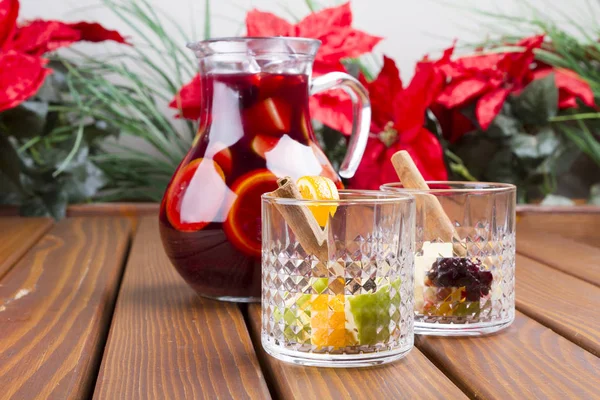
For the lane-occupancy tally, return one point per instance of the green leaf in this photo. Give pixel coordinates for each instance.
(504, 125)
(595, 195)
(555, 200)
(537, 146)
(524, 146)
(96, 132)
(26, 120)
(476, 150)
(207, 20)
(501, 167)
(538, 102)
(55, 86)
(52, 204)
(83, 182)
(10, 163)
(547, 141)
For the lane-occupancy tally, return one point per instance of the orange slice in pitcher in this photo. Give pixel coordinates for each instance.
(271, 116)
(243, 224)
(209, 176)
(224, 159)
(319, 188)
(263, 143)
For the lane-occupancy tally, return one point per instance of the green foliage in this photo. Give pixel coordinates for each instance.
(549, 142)
(45, 151)
(523, 145)
(538, 102)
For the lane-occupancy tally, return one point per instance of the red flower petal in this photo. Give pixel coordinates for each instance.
(376, 167)
(489, 106)
(345, 43)
(428, 155)
(483, 62)
(260, 23)
(411, 105)
(460, 92)
(321, 23)
(383, 92)
(517, 65)
(333, 109)
(9, 10)
(94, 32)
(332, 26)
(570, 85)
(39, 37)
(453, 123)
(20, 78)
(189, 99)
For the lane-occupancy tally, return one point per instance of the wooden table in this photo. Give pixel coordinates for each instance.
(90, 307)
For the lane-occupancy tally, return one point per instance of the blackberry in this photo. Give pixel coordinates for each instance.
(461, 272)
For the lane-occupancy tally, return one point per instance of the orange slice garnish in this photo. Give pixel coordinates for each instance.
(319, 188)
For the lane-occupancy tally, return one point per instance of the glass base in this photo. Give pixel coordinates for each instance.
(233, 299)
(476, 329)
(334, 360)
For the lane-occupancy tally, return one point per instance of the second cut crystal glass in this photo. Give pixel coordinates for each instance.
(354, 308)
(464, 285)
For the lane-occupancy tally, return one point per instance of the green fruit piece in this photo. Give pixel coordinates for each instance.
(294, 317)
(371, 312)
(320, 285)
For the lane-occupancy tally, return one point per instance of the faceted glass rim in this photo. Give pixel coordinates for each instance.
(459, 187)
(347, 197)
(298, 46)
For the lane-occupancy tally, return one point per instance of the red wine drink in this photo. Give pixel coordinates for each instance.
(254, 128)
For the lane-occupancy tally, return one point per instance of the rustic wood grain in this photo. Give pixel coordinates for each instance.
(410, 378)
(567, 255)
(17, 235)
(525, 361)
(166, 342)
(560, 301)
(133, 211)
(55, 307)
(579, 226)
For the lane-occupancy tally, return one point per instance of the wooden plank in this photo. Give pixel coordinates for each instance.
(410, 378)
(17, 235)
(560, 301)
(166, 342)
(526, 361)
(133, 211)
(579, 226)
(567, 255)
(55, 307)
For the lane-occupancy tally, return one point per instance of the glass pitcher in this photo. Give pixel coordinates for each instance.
(254, 128)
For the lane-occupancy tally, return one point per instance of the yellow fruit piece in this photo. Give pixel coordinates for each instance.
(319, 188)
(328, 322)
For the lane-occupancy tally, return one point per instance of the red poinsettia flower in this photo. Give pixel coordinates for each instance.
(332, 26)
(22, 70)
(570, 86)
(488, 79)
(397, 124)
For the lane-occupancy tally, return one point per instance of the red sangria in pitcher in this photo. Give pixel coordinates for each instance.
(254, 128)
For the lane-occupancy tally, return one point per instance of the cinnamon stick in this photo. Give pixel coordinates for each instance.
(301, 221)
(437, 222)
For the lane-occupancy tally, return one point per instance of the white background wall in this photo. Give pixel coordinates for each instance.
(411, 28)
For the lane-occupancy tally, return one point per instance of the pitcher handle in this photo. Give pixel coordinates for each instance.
(361, 115)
